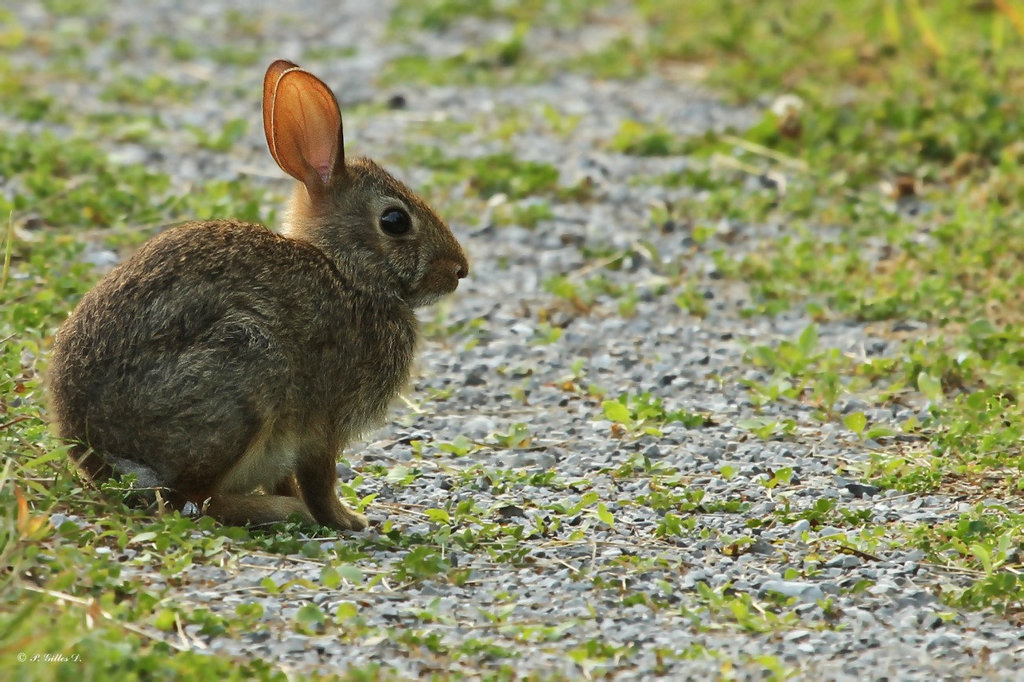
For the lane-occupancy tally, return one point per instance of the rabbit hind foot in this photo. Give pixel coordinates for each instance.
(244, 510)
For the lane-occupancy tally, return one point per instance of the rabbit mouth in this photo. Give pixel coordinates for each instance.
(433, 292)
(423, 298)
(439, 281)
(426, 296)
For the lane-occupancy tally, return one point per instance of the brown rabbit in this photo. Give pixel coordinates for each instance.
(231, 365)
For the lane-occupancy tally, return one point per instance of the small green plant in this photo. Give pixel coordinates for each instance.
(644, 414)
(524, 214)
(232, 132)
(501, 60)
(692, 300)
(640, 140)
(517, 436)
(987, 539)
(150, 89)
(486, 176)
(767, 428)
(459, 446)
(546, 334)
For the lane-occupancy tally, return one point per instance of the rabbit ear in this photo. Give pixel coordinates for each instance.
(304, 129)
(274, 73)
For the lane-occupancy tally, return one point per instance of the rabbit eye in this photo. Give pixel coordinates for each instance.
(395, 222)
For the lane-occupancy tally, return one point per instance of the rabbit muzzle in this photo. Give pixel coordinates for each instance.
(441, 279)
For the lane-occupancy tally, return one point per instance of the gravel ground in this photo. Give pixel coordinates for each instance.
(575, 578)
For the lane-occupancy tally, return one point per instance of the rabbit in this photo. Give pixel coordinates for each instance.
(231, 365)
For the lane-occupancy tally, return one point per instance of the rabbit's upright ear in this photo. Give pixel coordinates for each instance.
(302, 122)
(274, 73)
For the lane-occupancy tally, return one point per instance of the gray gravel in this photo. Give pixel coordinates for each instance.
(894, 628)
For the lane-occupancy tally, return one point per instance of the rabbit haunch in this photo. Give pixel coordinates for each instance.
(230, 365)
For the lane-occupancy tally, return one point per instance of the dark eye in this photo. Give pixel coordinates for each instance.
(395, 222)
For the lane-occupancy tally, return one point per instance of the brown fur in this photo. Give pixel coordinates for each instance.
(222, 361)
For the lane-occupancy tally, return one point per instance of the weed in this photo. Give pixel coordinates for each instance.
(644, 414)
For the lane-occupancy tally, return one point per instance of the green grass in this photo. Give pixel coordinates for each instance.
(888, 92)
(894, 93)
(438, 15)
(65, 592)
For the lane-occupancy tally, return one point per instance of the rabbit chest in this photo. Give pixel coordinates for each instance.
(342, 380)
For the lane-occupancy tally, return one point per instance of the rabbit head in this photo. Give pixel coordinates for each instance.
(368, 222)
